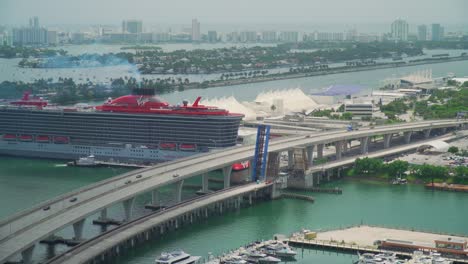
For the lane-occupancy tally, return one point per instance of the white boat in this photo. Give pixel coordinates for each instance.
(281, 250)
(176, 257)
(419, 257)
(269, 260)
(88, 161)
(234, 260)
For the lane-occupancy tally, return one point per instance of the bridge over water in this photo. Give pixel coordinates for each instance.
(20, 232)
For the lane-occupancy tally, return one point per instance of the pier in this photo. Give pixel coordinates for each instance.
(447, 187)
(372, 239)
(297, 196)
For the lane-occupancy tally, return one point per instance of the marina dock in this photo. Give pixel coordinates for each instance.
(366, 239)
(447, 187)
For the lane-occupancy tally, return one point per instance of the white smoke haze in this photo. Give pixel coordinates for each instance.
(293, 100)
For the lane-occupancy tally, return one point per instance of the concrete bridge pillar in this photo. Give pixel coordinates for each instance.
(345, 146)
(27, 255)
(320, 151)
(103, 214)
(78, 229)
(443, 130)
(407, 136)
(128, 207)
(310, 154)
(250, 198)
(155, 197)
(290, 159)
(205, 183)
(338, 148)
(427, 133)
(364, 141)
(178, 191)
(387, 140)
(227, 176)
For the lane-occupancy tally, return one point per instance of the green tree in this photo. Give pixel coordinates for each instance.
(428, 172)
(453, 150)
(368, 166)
(347, 116)
(397, 168)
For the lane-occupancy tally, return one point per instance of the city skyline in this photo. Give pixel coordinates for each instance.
(53, 12)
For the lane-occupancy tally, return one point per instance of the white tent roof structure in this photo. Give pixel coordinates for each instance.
(436, 145)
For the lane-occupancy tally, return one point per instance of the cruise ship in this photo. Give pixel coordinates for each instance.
(137, 128)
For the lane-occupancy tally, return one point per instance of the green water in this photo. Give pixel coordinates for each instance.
(369, 203)
(26, 182)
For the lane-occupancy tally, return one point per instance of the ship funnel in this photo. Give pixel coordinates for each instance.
(197, 101)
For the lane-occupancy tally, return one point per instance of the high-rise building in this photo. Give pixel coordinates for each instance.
(399, 30)
(161, 37)
(232, 37)
(269, 36)
(195, 30)
(52, 37)
(36, 22)
(34, 34)
(212, 36)
(248, 36)
(132, 26)
(422, 32)
(289, 36)
(437, 32)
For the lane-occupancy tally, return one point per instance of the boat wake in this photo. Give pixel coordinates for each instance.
(60, 165)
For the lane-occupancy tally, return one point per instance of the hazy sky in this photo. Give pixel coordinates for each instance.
(16, 12)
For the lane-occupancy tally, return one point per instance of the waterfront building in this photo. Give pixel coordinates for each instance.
(132, 26)
(437, 32)
(351, 35)
(289, 36)
(248, 36)
(399, 30)
(145, 37)
(33, 35)
(196, 30)
(232, 37)
(269, 36)
(78, 37)
(52, 38)
(422, 32)
(212, 36)
(161, 37)
(359, 109)
(122, 37)
(368, 38)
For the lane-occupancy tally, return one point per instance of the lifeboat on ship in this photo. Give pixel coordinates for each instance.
(241, 166)
(187, 147)
(42, 139)
(61, 140)
(168, 146)
(26, 138)
(9, 137)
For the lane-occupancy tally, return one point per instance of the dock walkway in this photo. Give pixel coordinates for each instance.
(363, 238)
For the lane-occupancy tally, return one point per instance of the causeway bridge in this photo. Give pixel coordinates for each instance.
(22, 231)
